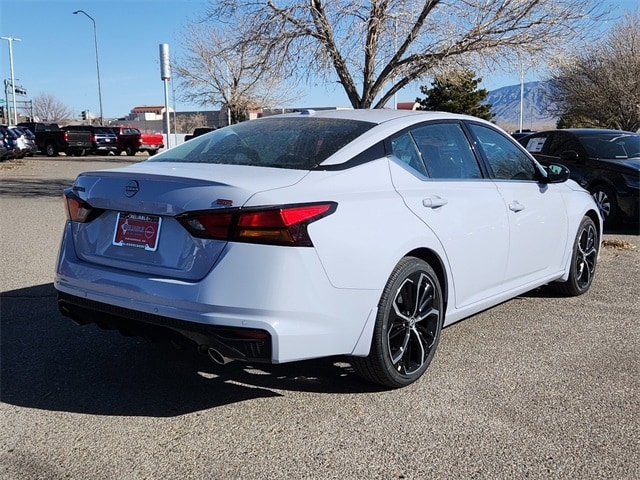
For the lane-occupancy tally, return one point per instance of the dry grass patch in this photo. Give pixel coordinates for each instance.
(617, 244)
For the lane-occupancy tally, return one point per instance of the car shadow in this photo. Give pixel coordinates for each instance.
(630, 228)
(47, 362)
(33, 187)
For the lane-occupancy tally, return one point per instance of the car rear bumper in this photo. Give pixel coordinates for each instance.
(231, 343)
(105, 148)
(267, 303)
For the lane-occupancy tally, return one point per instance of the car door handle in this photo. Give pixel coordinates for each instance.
(515, 206)
(434, 201)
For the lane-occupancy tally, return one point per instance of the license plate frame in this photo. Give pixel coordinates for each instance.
(137, 230)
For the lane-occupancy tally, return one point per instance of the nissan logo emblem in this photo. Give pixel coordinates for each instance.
(131, 188)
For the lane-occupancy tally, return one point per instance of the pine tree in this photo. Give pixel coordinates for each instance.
(456, 93)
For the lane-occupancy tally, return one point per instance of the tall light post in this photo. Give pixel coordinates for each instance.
(13, 78)
(95, 41)
(521, 96)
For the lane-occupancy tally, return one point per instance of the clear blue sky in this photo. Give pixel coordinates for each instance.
(56, 54)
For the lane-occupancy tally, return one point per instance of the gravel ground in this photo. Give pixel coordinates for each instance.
(537, 387)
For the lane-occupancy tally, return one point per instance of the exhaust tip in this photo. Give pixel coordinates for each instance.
(218, 357)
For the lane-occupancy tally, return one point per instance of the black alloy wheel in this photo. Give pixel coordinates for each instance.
(606, 201)
(583, 260)
(408, 325)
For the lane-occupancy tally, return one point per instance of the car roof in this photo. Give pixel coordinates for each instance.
(378, 116)
(587, 131)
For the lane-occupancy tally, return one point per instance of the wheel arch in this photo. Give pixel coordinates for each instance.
(596, 219)
(599, 182)
(595, 216)
(433, 259)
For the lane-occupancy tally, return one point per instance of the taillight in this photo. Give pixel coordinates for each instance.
(284, 225)
(78, 210)
(66, 136)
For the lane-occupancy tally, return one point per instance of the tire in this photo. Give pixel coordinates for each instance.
(407, 329)
(51, 150)
(129, 150)
(583, 260)
(607, 204)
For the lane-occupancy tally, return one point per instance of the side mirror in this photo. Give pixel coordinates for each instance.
(557, 173)
(570, 155)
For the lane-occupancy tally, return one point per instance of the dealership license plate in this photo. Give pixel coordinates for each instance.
(137, 230)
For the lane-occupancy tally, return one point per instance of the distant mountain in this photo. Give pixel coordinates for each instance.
(537, 109)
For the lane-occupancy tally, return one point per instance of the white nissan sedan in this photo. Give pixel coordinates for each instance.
(360, 233)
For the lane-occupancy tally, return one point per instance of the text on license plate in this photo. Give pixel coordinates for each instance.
(137, 230)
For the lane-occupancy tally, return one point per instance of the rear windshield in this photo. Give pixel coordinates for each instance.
(104, 130)
(282, 142)
(611, 146)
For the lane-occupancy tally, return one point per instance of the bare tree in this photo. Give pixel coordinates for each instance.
(601, 86)
(221, 69)
(377, 47)
(48, 108)
(186, 123)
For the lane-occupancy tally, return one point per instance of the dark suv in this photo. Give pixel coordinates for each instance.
(103, 140)
(605, 162)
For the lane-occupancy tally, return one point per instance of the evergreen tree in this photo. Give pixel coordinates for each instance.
(457, 93)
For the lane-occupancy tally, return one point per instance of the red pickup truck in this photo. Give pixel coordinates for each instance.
(131, 140)
(151, 143)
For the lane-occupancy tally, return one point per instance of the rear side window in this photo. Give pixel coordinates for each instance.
(562, 142)
(446, 152)
(283, 142)
(535, 144)
(405, 149)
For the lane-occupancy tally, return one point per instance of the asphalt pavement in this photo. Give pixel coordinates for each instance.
(540, 387)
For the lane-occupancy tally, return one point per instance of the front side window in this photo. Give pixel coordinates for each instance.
(506, 159)
(283, 142)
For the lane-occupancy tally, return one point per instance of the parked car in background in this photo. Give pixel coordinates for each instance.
(129, 139)
(605, 162)
(4, 151)
(25, 141)
(7, 151)
(51, 139)
(31, 139)
(521, 133)
(349, 232)
(151, 142)
(103, 140)
(197, 132)
(10, 140)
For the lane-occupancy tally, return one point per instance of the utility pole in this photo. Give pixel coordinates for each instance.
(95, 43)
(13, 78)
(521, 96)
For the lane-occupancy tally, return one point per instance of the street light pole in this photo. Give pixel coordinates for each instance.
(13, 78)
(95, 42)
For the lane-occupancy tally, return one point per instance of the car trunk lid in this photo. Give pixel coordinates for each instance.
(137, 229)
